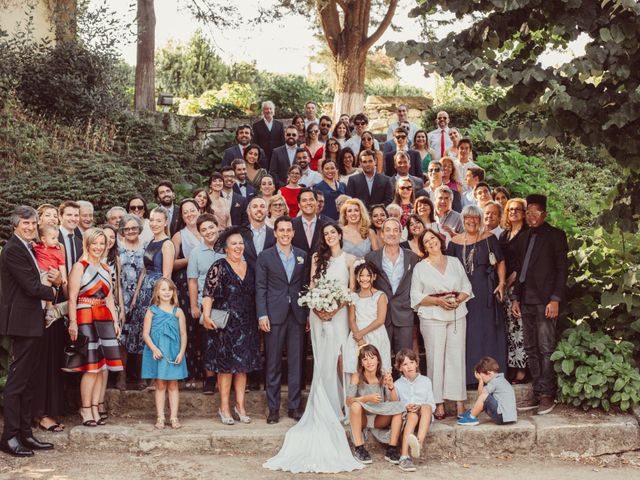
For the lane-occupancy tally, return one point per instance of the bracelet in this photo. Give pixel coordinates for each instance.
(391, 389)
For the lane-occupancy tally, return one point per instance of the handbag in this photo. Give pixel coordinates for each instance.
(79, 347)
(219, 318)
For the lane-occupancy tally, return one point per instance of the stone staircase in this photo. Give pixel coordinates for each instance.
(130, 429)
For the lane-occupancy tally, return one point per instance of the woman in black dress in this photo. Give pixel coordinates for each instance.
(232, 351)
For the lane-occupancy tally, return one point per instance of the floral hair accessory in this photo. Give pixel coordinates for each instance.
(358, 262)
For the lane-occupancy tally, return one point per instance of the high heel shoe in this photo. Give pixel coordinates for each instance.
(175, 424)
(104, 414)
(242, 418)
(101, 421)
(159, 423)
(88, 423)
(226, 420)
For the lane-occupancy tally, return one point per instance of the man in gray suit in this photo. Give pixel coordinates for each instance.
(280, 275)
(395, 265)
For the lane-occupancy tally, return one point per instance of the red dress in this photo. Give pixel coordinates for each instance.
(313, 163)
(291, 197)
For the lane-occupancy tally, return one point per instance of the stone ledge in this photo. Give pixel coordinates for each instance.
(555, 434)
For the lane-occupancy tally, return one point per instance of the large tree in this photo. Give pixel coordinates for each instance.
(593, 97)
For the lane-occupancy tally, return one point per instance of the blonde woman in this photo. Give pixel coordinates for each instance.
(276, 207)
(358, 237)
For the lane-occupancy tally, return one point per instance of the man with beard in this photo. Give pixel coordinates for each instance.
(283, 157)
(309, 177)
(439, 138)
(165, 195)
(242, 186)
(238, 209)
(369, 186)
(243, 137)
(325, 128)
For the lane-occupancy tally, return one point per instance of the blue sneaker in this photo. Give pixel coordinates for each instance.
(468, 421)
(466, 413)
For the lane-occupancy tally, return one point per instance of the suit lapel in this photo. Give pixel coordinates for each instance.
(30, 257)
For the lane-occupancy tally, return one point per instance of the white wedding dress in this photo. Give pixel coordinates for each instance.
(318, 443)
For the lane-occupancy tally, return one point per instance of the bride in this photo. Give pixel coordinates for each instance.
(318, 443)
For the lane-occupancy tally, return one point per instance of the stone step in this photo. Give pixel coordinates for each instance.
(565, 431)
(193, 403)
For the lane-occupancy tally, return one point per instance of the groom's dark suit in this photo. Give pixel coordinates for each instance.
(277, 299)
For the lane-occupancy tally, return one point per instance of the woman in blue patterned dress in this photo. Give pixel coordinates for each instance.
(232, 351)
(158, 263)
(131, 249)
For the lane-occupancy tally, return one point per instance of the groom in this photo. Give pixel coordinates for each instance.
(280, 274)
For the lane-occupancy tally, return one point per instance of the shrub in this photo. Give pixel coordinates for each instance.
(223, 110)
(595, 371)
(241, 95)
(290, 92)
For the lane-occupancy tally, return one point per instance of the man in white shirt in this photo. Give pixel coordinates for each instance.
(472, 178)
(465, 158)
(492, 216)
(310, 113)
(361, 122)
(402, 112)
(309, 177)
(439, 138)
(268, 133)
(482, 192)
(69, 213)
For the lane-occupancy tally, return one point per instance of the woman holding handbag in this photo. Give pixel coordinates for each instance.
(232, 346)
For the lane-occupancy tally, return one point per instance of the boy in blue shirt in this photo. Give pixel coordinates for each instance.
(495, 396)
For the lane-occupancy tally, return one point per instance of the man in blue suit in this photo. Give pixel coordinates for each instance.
(280, 276)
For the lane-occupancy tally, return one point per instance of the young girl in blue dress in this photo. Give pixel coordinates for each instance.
(165, 337)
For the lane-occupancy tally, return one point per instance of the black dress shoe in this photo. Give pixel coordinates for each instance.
(295, 413)
(274, 417)
(15, 448)
(34, 444)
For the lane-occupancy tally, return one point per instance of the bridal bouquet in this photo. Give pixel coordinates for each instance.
(327, 295)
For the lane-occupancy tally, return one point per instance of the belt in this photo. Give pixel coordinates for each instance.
(96, 302)
(443, 294)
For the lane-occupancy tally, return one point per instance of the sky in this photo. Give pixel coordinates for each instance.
(281, 47)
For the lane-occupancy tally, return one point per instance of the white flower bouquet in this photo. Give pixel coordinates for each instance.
(326, 296)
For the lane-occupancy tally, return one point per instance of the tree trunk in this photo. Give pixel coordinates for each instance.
(144, 98)
(350, 73)
(64, 16)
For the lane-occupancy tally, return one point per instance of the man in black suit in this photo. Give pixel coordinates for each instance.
(238, 209)
(538, 291)
(22, 319)
(415, 162)
(280, 276)
(268, 133)
(243, 137)
(165, 194)
(306, 227)
(261, 236)
(68, 235)
(241, 185)
(369, 186)
(283, 157)
(402, 166)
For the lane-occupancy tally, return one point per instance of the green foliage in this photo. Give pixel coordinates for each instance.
(66, 81)
(594, 371)
(291, 92)
(461, 116)
(386, 88)
(604, 284)
(223, 110)
(241, 95)
(592, 98)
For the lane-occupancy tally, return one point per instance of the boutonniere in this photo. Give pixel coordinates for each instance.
(236, 205)
(300, 260)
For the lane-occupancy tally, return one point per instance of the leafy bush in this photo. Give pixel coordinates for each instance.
(290, 92)
(223, 110)
(67, 81)
(460, 116)
(384, 88)
(241, 95)
(604, 284)
(595, 371)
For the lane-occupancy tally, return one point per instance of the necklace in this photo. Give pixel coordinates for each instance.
(468, 260)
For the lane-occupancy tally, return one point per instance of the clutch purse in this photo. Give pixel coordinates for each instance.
(219, 318)
(79, 347)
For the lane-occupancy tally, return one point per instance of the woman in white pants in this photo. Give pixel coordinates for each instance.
(439, 290)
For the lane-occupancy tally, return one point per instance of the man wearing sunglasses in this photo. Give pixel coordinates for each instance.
(434, 173)
(361, 122)
(402, 145)
(439, 138)
(403, 119)
(244, 135)
(283, 157)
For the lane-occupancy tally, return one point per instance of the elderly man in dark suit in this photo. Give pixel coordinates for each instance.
(369, 186)
(280, 276)
(395, 265)
(268, 132)
(22, 319)
(284, 156)
(538, 291)
(243, 137)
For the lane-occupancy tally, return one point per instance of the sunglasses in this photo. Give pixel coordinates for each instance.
(400, 137)
(314, 131)
(406, 187)
(291, 134)
(136, 207)
(359, 122)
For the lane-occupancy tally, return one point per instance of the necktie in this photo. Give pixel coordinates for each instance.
(527, 259)
(442, 143)
(309, 232)
(72, 246)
